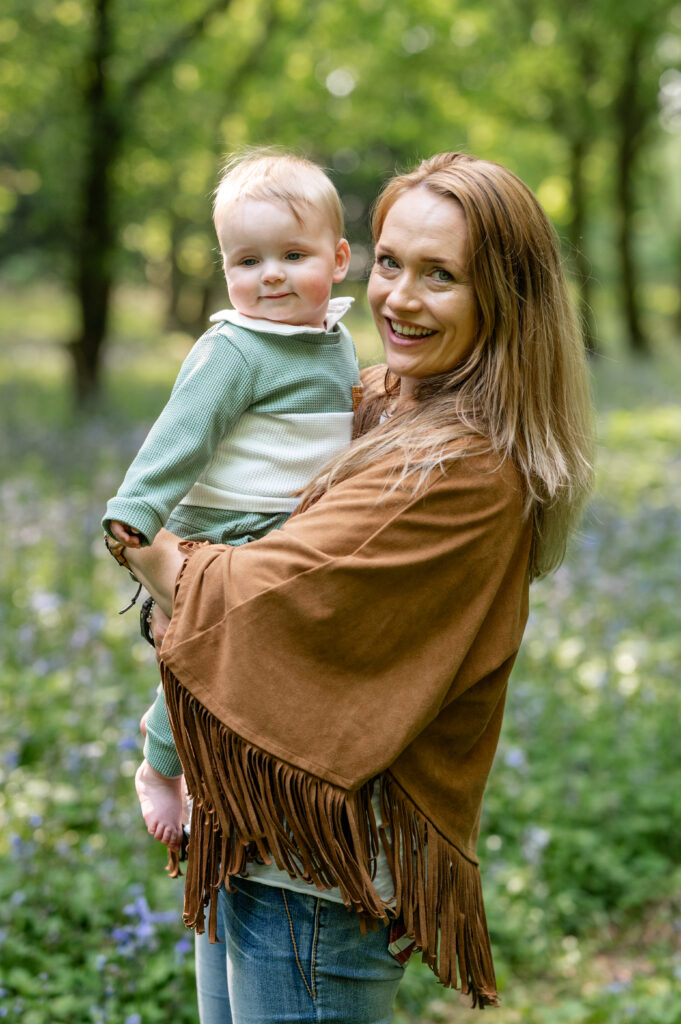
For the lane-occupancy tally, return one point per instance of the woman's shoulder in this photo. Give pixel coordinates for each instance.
(373, 380)
(374, 398)
(474, 459)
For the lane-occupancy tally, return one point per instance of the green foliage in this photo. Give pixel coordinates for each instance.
(580, 839)
(363, 88)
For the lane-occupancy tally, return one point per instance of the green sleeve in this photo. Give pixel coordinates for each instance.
(212, 390)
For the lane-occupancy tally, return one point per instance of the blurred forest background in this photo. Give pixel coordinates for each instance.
(114, 119)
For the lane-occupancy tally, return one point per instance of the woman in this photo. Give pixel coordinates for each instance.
(336, 689)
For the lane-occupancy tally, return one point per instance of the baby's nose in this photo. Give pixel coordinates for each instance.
(273, 271)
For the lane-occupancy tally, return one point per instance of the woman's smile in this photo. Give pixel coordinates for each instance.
(403, 331)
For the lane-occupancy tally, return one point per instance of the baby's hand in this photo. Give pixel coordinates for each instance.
(126, 534)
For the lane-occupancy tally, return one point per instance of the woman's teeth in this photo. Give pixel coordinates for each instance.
(410, 330)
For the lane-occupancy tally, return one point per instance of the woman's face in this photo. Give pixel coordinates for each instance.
(419, 290)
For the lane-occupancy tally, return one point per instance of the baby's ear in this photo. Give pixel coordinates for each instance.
(342, 260)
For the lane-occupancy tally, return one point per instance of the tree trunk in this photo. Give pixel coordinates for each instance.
(577, 228)
(176, 277)
(95, 241)
(629, 123)
(96, 236)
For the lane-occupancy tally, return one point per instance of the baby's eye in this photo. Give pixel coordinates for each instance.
(441, 275)
(249, 261)
(387, 262)
(294, 256)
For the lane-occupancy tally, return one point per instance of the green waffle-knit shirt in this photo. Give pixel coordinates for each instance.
(256, 411)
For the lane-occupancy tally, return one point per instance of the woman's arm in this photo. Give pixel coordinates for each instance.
(157, 566)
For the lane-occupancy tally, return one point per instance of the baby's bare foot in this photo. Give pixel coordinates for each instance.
(162, 802)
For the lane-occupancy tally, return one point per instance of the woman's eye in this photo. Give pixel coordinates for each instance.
(442, 276)
(387, 262)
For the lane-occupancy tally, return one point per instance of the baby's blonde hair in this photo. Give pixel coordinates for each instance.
(273, 175)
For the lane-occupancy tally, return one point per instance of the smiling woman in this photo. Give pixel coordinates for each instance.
(420, 291)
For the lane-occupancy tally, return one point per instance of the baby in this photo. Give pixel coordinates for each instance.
(264, 399)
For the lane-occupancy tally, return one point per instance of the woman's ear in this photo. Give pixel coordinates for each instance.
(342, 260)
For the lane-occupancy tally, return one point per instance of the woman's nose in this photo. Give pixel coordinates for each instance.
(404, 294)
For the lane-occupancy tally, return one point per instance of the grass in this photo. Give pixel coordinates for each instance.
(581, 836)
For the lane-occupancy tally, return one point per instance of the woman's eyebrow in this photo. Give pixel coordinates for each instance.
(448, 262)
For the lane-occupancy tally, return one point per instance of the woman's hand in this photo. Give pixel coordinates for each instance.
(159, 627)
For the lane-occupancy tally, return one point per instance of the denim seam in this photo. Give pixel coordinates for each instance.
(313, 963)
(295, 947)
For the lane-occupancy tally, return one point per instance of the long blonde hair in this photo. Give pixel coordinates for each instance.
(523, 390)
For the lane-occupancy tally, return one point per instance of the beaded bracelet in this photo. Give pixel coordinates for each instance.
(145, 621)
(116, 549)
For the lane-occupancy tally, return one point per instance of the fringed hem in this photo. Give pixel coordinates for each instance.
(248, 804)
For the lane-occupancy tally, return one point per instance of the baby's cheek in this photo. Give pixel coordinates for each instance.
(318, 287)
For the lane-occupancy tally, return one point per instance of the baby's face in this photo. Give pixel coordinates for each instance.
(277, 267)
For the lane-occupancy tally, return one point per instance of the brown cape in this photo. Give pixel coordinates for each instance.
(367, 642)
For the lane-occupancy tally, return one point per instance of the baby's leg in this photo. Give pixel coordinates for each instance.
(162, 801)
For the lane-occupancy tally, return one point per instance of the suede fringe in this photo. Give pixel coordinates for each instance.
(249, 804)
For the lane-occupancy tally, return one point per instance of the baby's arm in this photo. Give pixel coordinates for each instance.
(213, 389)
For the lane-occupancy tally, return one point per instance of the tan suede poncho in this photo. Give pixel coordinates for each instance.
(367, 643)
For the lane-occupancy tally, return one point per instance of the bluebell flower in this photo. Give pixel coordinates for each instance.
(121, 937)
(128, 743)
(42, 602)
(164, 917)
(515, 758)
(182, 947)
(144, 931)
(615, 988)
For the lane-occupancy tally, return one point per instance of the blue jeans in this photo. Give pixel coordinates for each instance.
(288, 958)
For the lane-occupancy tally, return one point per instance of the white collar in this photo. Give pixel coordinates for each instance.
(337, 309)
